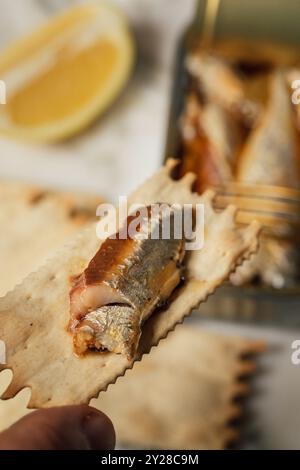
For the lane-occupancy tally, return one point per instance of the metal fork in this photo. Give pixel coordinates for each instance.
(276, 208)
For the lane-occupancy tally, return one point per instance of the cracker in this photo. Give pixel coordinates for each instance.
(168, 390)
(15, 408)
(34, 222)
(34, 316)
(181, 396)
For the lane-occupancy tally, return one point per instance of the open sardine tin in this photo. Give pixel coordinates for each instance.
(252, 48)
(34, 317)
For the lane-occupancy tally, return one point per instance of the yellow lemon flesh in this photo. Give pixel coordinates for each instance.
(64, 75)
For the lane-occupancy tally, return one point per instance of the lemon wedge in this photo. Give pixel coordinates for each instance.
(61, 77)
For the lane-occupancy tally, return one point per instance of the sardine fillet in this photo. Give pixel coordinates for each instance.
(123, 283)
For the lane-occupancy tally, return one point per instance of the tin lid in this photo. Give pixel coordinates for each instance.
(267, 20)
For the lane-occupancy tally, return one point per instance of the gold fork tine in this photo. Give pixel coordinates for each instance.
(272, 225)
(260, 205)
(259, 191)
(276, 208)
(267, 219)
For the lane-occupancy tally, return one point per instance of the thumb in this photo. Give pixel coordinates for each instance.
(65, 428)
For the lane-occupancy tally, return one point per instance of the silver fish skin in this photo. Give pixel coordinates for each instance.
(123, 284)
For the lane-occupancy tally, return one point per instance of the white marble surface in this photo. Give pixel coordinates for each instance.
(126, 144)
(272, 413)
